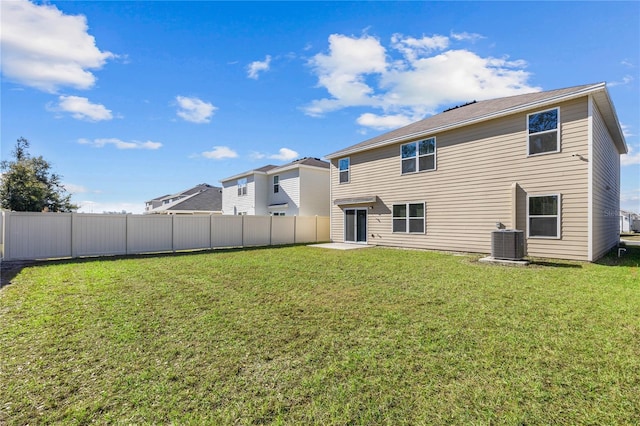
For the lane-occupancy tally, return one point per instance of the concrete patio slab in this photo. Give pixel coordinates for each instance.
(341, 246)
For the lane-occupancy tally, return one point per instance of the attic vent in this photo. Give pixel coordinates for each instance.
(460, 106)
(507, 244)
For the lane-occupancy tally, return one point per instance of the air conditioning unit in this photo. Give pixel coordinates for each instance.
(507, 244)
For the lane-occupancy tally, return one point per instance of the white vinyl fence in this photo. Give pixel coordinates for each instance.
(60, 235)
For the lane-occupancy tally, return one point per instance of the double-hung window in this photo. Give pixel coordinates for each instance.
(543, 131)
(418, 156)
(543, 216)
(408, 218)
(344, 164)
(242, 186)
(276, 184)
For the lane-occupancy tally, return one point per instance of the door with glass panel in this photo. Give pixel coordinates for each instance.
(355, 225)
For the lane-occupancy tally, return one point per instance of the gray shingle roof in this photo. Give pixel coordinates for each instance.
(473, 113)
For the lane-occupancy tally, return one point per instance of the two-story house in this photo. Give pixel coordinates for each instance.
(546, 163)
(299, 188)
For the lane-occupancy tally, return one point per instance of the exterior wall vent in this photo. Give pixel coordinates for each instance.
(507, 244)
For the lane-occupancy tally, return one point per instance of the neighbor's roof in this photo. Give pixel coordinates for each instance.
(208, 199)
(485, 110)
(270, 169)
(190, 191)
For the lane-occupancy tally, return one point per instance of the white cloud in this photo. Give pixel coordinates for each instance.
(284, 154)
(195, 110)
(626, 130)
(384, 122)
(46, 49)
(342, 72)
(75, 189)
(88, 206)
(630, 158)
(625, 80)
(412, 79)
(120, 144)
(220, 152)
(81, 109)
(254, 68)
(463, 36)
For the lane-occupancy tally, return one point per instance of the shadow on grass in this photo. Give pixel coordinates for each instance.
(629, 256)
(10, 269)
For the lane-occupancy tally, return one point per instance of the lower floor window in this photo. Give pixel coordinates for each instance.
(408, 218)
(277, 214)
(543, 216)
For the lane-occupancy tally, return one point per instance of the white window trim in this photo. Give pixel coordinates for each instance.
(529, 154)
(559, 216)
(342, 171)
(276, 184)
(242, 189)
(424, 218)
(417, 157)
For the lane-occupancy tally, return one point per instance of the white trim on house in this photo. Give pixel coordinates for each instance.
(590, 178)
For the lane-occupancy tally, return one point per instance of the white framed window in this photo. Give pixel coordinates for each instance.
(409, 218)
(344, 165)
(277, 214)
(543, 216)
(276, 184)
(242, 186)
(543, 132)
(418, 156)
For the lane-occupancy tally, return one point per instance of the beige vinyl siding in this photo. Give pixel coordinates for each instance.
(605, 188)
(471, 189)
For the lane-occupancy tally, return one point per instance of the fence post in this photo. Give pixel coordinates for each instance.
(73, 236)
(316, 236)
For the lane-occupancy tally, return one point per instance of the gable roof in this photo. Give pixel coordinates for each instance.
(208, 199)
(485, 110)
(190, 191)
(271, 169)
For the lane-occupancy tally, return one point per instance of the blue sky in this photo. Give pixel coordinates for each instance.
(133, 100)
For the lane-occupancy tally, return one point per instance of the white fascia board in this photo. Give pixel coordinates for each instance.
(241, 175)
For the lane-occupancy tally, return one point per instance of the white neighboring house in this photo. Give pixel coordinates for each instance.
(201, 199)
(299, 188)
(629, 222)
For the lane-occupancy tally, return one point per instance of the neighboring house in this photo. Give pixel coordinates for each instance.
(201, 199)
(629, 222)
(299, 188)
(547, 163)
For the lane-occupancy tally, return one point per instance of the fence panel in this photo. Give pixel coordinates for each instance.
(191, 232)
(149, 233)
(283, 229)
(99, 234)
(256, 231)
(323, 227)
(58, 235)
(37, 235)
(306, 229)
(226, 231)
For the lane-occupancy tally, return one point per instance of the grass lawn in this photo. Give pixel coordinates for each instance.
(301, 335)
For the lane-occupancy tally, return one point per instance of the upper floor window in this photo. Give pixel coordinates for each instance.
(242, 186)
(418, 156)
(543, 130)
(344, 164)
(408, 218)
(543, 216)
(276, 184)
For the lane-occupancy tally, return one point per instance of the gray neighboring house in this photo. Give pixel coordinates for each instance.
(546, 163)
(201, 199)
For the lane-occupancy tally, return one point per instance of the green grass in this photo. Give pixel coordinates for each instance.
(300, 335)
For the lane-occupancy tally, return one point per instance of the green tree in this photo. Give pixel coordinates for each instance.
(28, 184)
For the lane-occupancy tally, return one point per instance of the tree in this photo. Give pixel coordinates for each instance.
(28, 185)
